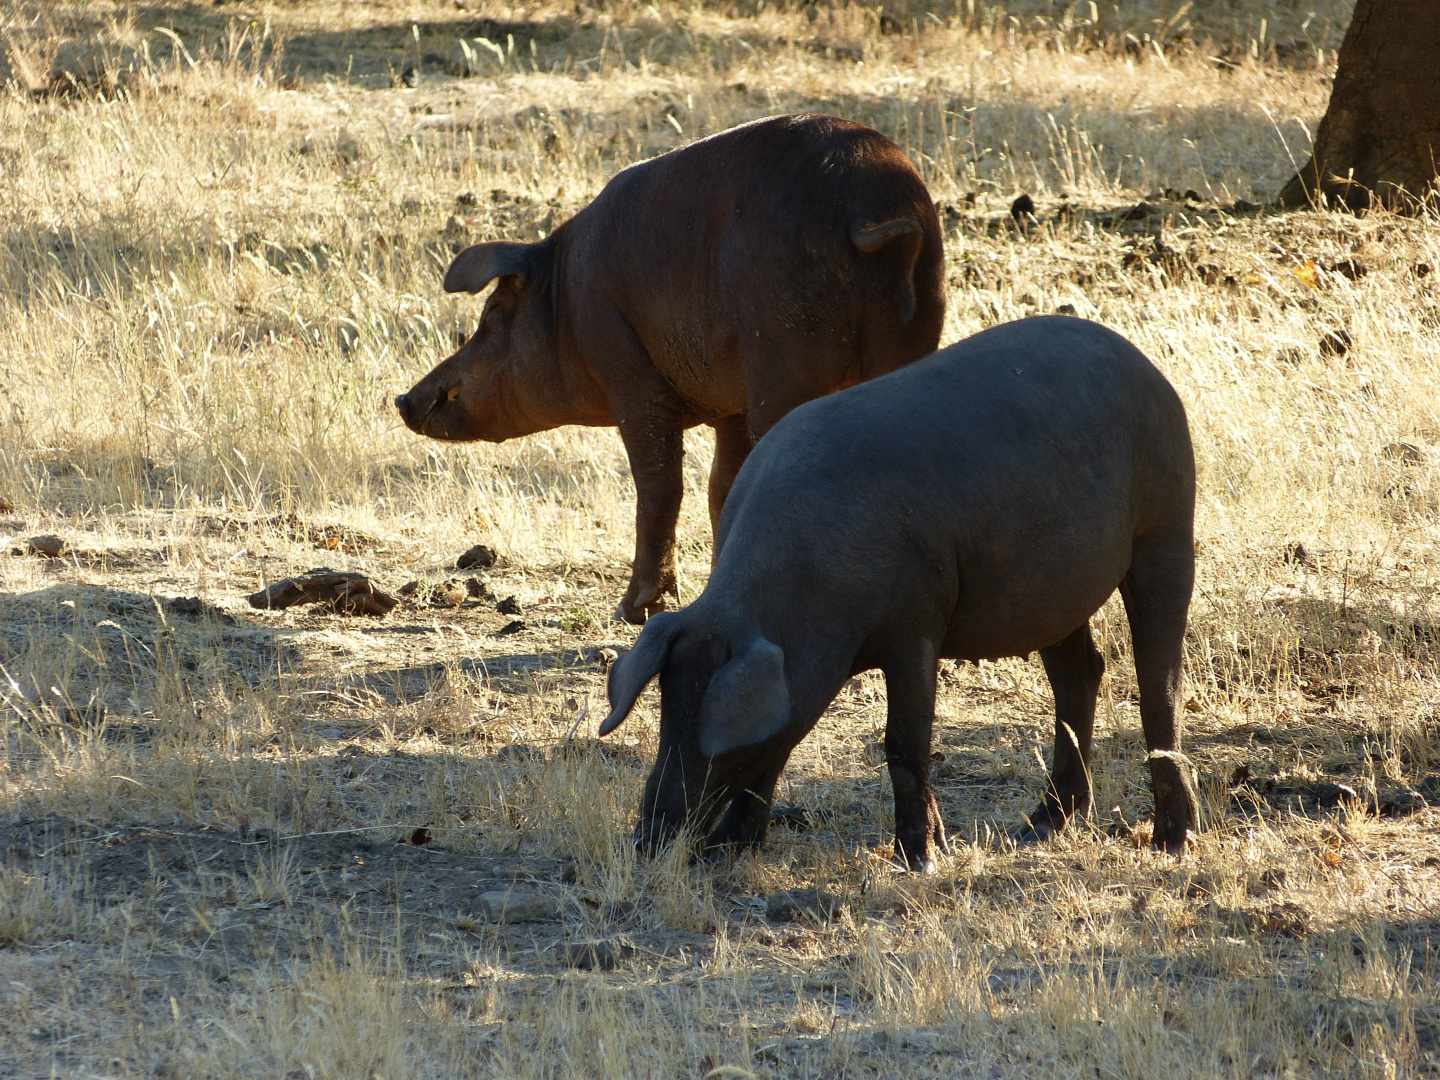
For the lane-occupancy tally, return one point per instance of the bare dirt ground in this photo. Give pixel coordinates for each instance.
(240, 842)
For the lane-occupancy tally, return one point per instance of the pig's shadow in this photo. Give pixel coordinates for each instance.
(509, 673)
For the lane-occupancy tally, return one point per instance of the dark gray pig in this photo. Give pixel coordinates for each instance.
(983, 502)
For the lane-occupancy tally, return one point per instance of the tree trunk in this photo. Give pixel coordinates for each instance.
(1379, 141)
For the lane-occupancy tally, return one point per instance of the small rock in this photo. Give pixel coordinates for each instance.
(605, 657)
(194, 607)
(1335, 343)
(1244, 206)
(1191, 195)
(1352, 1021)
(519, 754)
(1066, 309)
(793, 905)
(1350, 268)
(468, 199)
(347, 149)
(1296, 555)
(420, 837)
(1022, 208)
(1404, 452)
(1138, 212)
(449, 594)
(1309, 797)
(512, 627)
(508, 606)
(603, 955)
(478, 557)
(477, 589)
(1403, 801)
(1422, 269)
(410, 77)
(517, 905)
(1273, 878)
(47, 546)
(1286, 918)
(787, 816)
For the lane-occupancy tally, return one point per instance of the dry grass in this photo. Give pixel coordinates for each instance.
(220, 241)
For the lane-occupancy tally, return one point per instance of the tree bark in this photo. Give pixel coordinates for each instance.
(1379, 141)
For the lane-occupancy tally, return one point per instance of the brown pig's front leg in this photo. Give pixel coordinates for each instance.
(656, 452)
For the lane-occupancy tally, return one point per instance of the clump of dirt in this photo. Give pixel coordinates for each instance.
(479, 557)
(449, 593)
(804, 905)
(346, 592)
(196, 608)
(604, 954)
(47, 546)
(329, 537)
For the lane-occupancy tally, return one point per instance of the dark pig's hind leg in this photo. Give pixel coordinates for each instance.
(1157, 596)
(656, 451)
(910, 701)
(1074, 667)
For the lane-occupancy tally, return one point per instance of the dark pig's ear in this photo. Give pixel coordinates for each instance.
(477, 266)
(747, 702)
(633, 671)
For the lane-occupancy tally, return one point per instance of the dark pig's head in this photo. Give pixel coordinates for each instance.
(724, 714)
(501, 382)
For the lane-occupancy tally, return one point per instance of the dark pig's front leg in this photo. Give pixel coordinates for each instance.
(747, 819)
(910, 698)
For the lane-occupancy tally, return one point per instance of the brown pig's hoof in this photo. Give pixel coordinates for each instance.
(919, 865)
(625, 613)
(636, 614)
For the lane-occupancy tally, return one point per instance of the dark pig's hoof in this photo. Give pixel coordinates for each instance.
(1171, 829)
(1040, 826)
(1174, 803)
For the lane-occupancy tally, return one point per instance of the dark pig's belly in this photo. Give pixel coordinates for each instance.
(1033, 603)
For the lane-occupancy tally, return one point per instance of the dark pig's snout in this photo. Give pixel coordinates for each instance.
(402, 405)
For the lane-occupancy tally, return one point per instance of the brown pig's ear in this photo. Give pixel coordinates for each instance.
(747, 702)
(477, 266)
(633, 671)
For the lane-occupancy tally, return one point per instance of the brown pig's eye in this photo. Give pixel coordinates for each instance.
(452, 394)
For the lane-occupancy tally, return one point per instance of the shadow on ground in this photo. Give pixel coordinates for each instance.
(115, 648)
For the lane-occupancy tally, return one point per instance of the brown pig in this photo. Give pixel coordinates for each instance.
(723, 283)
